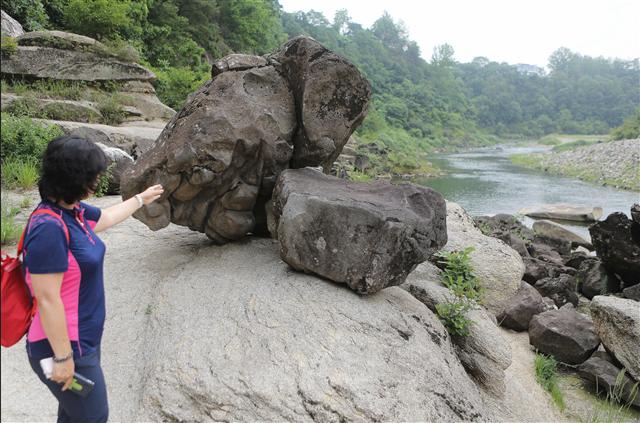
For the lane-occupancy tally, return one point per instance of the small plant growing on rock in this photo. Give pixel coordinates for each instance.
(103, 182)
(457, 275)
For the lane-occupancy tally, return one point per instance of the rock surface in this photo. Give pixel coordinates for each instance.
(633, 292)
(10, 26)
(332, 99)
(218, 158)
(553, 230)
(484, 353)
(526, 303)
(565, 334)
(258, 306)
(564, 212)
(134, 140)
(616, 247)
(601, 376)
(592, 278)
(613, 163)
(269, 363)
(367, 235)
(54, 63)
(617, 321)
(561, 289)
(497, 266)
(119, 161)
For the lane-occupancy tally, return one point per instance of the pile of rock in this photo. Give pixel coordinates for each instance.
(70, 58)
(561, 301)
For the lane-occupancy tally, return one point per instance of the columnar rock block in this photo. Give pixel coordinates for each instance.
(368, 236)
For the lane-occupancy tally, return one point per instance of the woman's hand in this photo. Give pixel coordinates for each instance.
(151, 194)
(63, 373)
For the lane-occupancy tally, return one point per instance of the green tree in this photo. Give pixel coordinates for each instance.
(98, 18)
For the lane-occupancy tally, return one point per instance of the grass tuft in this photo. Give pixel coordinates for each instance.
(547, 376)
(9, 230)
(19, 173)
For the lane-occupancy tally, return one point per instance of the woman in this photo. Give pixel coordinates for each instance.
(65, 275)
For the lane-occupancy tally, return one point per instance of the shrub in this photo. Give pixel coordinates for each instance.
(173, 85)
(629, 129)
(458, 277)
(122, 50)
(17, 173)
(111, 110)
(9, 231)
(24, 139)
(546, 375)
(8, 45)
(26, 106)
(356, 175)
(97, 18)
(103, 182)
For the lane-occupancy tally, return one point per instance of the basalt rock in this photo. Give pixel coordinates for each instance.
(526, 303)
(615, 245)
(565, 334)
(561, 289)
(219, 157)
(368, 236)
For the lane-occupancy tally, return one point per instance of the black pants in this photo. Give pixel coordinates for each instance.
(72, 408)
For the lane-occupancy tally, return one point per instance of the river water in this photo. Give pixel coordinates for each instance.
(485, 182)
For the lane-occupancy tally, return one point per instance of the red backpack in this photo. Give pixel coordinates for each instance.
(17, 306)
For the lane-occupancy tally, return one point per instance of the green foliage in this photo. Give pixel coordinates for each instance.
(547, 377)
(175, 84)
(8, 45)
(615, 408)
(9, 230)
(356, 175)
(103, 181)
(111, 110)
(629, 129)
(26, 106)
(97, 18)
(24, 139)
(453, 317)
(457, 275)
(19, 173)
(549, 140)
(526, 160)
(572, 145)
(30, 13)
(71, 90)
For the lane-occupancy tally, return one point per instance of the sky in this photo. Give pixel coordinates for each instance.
(513, 31)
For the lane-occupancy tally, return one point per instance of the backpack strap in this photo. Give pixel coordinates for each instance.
(41, 211)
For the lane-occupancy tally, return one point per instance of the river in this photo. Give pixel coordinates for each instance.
(485, 182)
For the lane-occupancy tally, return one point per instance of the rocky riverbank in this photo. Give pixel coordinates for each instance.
(615, 163)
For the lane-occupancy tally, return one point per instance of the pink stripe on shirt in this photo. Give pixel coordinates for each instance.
(70, 295)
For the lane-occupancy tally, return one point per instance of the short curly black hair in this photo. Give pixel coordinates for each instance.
(71, 167)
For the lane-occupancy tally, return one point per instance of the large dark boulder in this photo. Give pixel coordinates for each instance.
(617, 248)
(565, 334)
(525, 304)
(602, 376)
(219, 157)
(367, 235)
(561, 289)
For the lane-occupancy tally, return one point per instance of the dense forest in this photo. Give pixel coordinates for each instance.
(418, 104)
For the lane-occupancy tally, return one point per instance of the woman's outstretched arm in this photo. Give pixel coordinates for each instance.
(115, 214)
